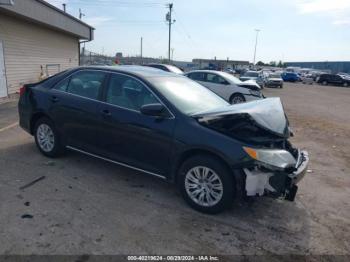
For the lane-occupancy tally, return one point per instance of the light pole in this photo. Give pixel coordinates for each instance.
(170, 22)
(172, 53)
(256, 43)
(141, 50)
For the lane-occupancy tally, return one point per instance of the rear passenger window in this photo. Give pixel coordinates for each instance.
(86, 83)
(62, 86)
(197, 76)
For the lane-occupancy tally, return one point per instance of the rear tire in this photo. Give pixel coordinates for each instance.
(47, 138)
(206, 184)
(346, 84)
(324, 83)
(237, 99)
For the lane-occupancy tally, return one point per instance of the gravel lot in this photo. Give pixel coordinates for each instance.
(87, 206)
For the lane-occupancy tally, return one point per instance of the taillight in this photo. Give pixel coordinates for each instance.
(22, 90)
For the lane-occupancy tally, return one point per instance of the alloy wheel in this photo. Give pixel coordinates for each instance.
(203, 186)
(45, 137)
(237, 100)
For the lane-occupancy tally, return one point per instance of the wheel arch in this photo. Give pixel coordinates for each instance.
(198, 151)
(35, 117)
(236, 93)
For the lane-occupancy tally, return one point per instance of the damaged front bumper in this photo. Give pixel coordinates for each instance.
(262, 180)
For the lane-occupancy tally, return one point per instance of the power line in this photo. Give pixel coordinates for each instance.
(118, 3)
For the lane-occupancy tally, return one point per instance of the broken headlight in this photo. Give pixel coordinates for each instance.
(277, 158)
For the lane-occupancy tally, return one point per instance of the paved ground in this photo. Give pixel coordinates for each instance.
(85, 205)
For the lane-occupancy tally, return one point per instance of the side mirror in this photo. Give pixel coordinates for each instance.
(153, 110)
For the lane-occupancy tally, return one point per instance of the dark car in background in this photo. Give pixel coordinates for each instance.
(167, 68)
(290, 77)
(168, 126)
(331, 79)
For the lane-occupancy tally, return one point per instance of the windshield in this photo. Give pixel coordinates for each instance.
(251, 74)
(186, 95)
(275, 76)
(231, 78)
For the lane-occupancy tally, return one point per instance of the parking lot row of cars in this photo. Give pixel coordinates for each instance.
(269, 78)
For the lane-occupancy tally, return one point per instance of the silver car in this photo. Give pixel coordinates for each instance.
(274, 80)
(254, 75)
(227, 86)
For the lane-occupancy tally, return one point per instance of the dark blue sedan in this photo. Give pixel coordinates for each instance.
(290, 77)
(168, 126)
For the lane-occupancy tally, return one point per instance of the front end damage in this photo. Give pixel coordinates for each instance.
(272, 166)
(263, 179)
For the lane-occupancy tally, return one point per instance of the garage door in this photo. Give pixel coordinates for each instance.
(28, 47)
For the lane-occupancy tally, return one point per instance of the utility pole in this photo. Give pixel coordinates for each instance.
(81, 14)
(172, 54)
(256, 43)
(141, 50)
(170, 22)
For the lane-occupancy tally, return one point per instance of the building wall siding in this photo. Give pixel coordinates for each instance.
(331, 66)
(28, 46)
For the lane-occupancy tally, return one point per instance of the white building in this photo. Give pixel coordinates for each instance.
(37, 38)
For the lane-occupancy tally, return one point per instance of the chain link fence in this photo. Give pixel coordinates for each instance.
(91, 58)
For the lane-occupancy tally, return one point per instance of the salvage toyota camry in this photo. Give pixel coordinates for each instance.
(168, 126)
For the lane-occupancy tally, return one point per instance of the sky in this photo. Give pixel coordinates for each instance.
(290, 30)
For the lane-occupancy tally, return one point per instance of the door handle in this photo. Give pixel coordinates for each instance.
(105, 112)
(54, 99)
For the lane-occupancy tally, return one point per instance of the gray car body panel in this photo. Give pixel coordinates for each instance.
(268, 113)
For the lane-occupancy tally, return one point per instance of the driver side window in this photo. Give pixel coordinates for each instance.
(129, 93)
(216, 79)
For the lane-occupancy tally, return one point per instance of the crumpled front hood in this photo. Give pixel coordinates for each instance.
(267, 114)
(250, 84)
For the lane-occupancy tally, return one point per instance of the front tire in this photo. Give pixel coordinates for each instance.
(324, 83)
(47, 138)
(206, 184)
(346, 84)
(237, 99)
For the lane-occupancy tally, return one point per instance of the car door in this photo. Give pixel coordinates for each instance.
(337, 80)
(127, 136)
(73, 107)
(218, 85)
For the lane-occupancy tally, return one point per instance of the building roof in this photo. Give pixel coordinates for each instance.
(41, 12)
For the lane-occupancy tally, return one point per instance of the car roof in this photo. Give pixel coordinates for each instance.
(136, 70)
(155, 64)
(203, 71)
